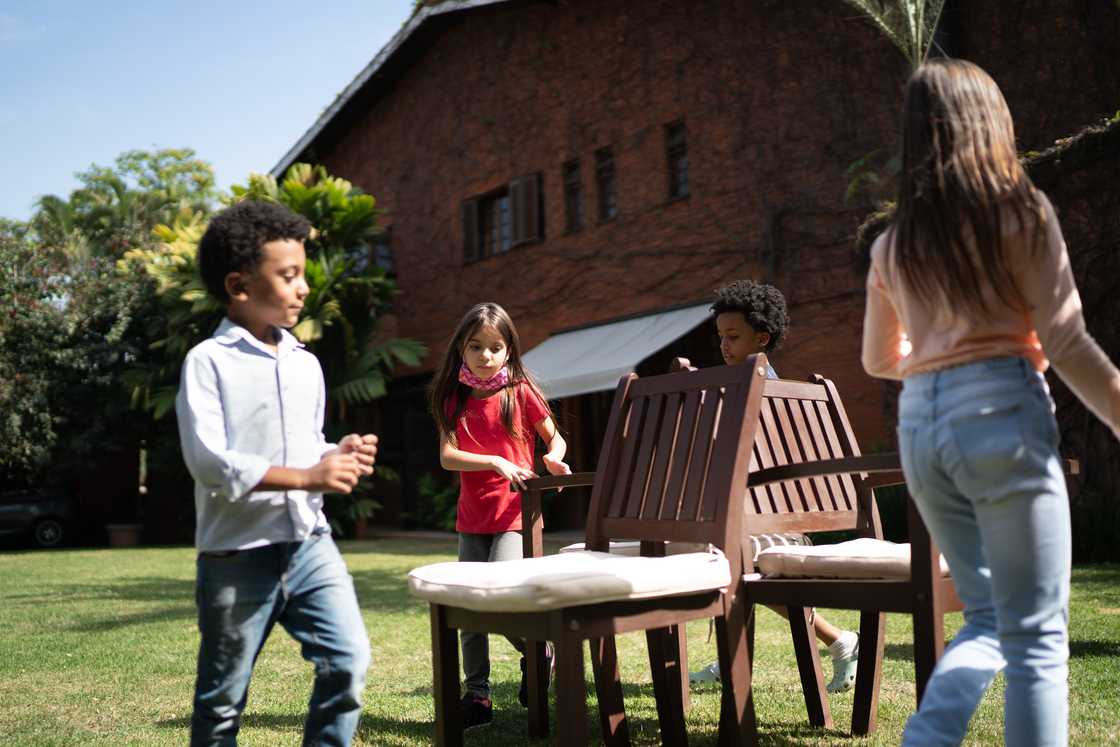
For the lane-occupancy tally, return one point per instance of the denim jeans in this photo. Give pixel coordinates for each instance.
(980, 453)
(306, 588)
(485, 548)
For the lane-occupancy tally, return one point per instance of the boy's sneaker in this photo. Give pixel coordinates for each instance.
(709, 673)
(845, 658)
(523, 691)
(477, 711)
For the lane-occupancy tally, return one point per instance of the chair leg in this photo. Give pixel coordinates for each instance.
(445, 680)
(809, 667)
(536, 675)
(679, 640)
(737, 722)
(869, 671)
(571, 695)
(929, 644)
(608, 689)
(664, 670)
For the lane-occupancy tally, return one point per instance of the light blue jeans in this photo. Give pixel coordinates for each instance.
(980, 453)
(306, 588)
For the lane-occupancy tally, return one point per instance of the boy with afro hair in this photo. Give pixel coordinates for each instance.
(251, 406)
(751, 318)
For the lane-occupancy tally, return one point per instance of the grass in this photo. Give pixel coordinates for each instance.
(97, 647)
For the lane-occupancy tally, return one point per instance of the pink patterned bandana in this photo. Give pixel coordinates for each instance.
(494, 383)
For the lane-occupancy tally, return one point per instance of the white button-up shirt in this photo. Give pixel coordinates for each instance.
(243, 408)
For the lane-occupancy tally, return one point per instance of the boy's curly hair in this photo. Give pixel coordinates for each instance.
(233, 240)
(762, 305)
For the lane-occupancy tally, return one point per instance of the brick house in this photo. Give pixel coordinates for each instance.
(587, 161)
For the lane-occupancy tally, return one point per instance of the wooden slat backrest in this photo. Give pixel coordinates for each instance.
(675, 445)
(802, 422)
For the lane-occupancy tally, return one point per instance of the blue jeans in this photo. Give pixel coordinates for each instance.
(306, 588)
(980, 453)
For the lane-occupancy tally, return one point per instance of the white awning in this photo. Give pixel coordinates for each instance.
(592, 359)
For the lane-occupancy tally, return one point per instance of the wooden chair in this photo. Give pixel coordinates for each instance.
(811, 476)
(676, 453)
(676, 642)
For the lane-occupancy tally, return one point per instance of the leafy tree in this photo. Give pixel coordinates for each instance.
(62, 352)
(348, 296)
(116, 207)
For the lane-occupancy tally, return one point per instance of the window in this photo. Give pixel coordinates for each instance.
(573, 197)
(496, 222)
(676, 151)
(496, 227)
(604, 178)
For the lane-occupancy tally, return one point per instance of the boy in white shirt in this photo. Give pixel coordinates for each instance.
(251, 407)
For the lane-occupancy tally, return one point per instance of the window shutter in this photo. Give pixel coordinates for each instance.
(525, 203)
(470, 230)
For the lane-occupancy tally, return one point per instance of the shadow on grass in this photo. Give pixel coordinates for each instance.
(1091, 649)
(385, 591)
(163, 591)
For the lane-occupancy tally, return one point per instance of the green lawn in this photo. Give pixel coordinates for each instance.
(97, 647)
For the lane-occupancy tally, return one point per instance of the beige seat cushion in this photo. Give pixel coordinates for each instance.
(566, 580)
(758, 543)
(860, 558)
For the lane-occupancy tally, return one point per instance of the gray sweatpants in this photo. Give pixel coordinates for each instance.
(485, 548)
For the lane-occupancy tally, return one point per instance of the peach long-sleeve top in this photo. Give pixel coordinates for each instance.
(1051, 332)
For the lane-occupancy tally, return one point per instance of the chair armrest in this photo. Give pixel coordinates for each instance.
(573, 480)
(532, 519)
(873, 463)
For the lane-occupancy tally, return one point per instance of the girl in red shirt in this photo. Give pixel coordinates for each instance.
(489, 411)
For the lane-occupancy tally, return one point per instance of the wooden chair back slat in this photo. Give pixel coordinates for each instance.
(640, 485)
(766, 499)
(625, 473)
(791, 427)
(675, 442)
(839, 449)
(701, 453)
(686, 432)
(786, 495)
(666, 445)
(801, 422)
(820, 447)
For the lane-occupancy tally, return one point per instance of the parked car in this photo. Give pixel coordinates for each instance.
(43, 517)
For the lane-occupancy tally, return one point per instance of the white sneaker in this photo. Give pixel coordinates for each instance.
(845, 658)
(709, 673)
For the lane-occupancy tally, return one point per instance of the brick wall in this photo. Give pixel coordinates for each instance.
(779, 98)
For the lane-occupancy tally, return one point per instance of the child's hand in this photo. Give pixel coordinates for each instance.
(513, 473)
(556, 467)
(364, 448)
(337, 473)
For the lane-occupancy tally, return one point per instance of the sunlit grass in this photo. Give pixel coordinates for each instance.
(98, 647)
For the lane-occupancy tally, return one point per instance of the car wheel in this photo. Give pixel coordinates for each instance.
(49, 533)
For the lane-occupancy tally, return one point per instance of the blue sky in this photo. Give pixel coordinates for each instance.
(239, 81)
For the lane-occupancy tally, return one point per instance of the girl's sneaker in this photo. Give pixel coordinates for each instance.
(845, 658)
(477, 711)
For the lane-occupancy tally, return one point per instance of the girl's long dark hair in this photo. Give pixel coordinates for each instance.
(447, 390)
(960, 184)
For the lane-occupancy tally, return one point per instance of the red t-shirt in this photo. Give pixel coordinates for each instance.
(486, 503)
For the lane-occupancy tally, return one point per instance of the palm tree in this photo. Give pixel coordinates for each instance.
(909, 24)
